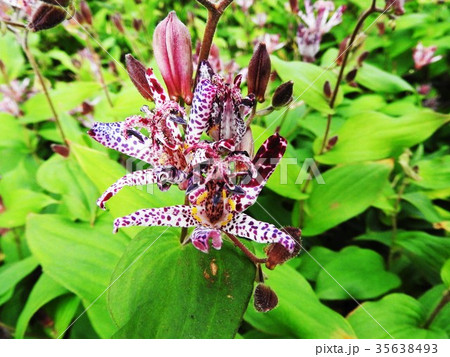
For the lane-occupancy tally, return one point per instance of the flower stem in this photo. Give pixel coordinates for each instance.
(38, 74)
(445, 299)
(245, 250)
(184, 230)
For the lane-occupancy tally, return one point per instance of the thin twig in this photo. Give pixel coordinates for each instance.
(445, 299)
(245, 250)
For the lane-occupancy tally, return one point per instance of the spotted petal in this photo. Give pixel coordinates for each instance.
(111, 136)
(157, 91)
(201, 236)
(265, 162)
(245, 226)
(200, 112)
(173, 216)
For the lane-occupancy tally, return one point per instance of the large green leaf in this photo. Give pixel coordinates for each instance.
(165, 290)
(80, 257)
(45, 290)
(12, 56)
(434, 174)
(374, 136)
(348, 191)
(309, 80)
(431, 301)
(309, 265)
(359, 271)
(378, 80)
(445, 273)
(12, 274)
(300, 314)
(103, 172)
(396, 315)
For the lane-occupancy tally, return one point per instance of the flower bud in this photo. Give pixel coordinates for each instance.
(277, 254)
(327, 89)
(342, 49)
(259, 72)
(265, 298)
(86, 12)
(351, 75)
(117, 21)
(294, 6)
(63, 3)
(396, 5)
(46, 17)
(60, 149)
(136, 71)
(332, 142)
(137, 24)
(173, 53)
(283, 95)
(362, 58)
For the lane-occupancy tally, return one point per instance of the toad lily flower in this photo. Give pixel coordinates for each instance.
(423, 56)
(162, 149)
(215, 210)
(310, 33)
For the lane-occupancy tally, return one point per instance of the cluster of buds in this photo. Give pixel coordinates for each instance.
(314, 26)
(221, 176)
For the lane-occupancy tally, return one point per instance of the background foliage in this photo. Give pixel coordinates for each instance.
(376, 231)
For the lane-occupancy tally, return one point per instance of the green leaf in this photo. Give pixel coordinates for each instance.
(12, 274)
(64, 310)
(310, 264)
(65, 97)
(299, 313)
(45, 290)
(80, 257)
(309, 80)
(19, 203)
(64, 176)
(12, 56)
(374, 136)
(206, 297)
(103, 172)
(424, 205)
(378, 80)
(396, 315)
(359, 271)
(430, 302)
(445, 273)
(348, 191)
(434, 174)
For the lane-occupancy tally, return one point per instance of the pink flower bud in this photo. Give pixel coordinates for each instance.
(86, 12)
(173, 53)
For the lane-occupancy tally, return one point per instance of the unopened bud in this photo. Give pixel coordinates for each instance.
(117, 21)
(259, 72)
(294, 6)
(60, 149)
(79, 18)
(362, 58)
(63, 3)
(351, 75)
(283, 95)
(173, 53)
(327, 89)
(47, 17)
(265, 298)
(396, 5)
(137, 24)
(86, 12)
(136, 71)
(342, 49)
(112, 67)
(381, 28)
(332, 142)
(277, 254)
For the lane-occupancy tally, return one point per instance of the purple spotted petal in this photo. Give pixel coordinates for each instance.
(158, 93)
(245, 226)
(265, 162)
(200, 112)
(141, 177)
(111, 135)
(201, 236)
(173, 216)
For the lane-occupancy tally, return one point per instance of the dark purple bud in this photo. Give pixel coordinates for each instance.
(283, 95)
(60, 149)
(259, 72)
(265, 298)
(332, 142)
(63, 3)
(351, 75)
(294, 6)
(137, 24)
(136, 71)
(86, 12)
(396, 5)
(117, 21)
(79, 17)
(277, 254)
(46, 17)
(362, 58)
(327, 89)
